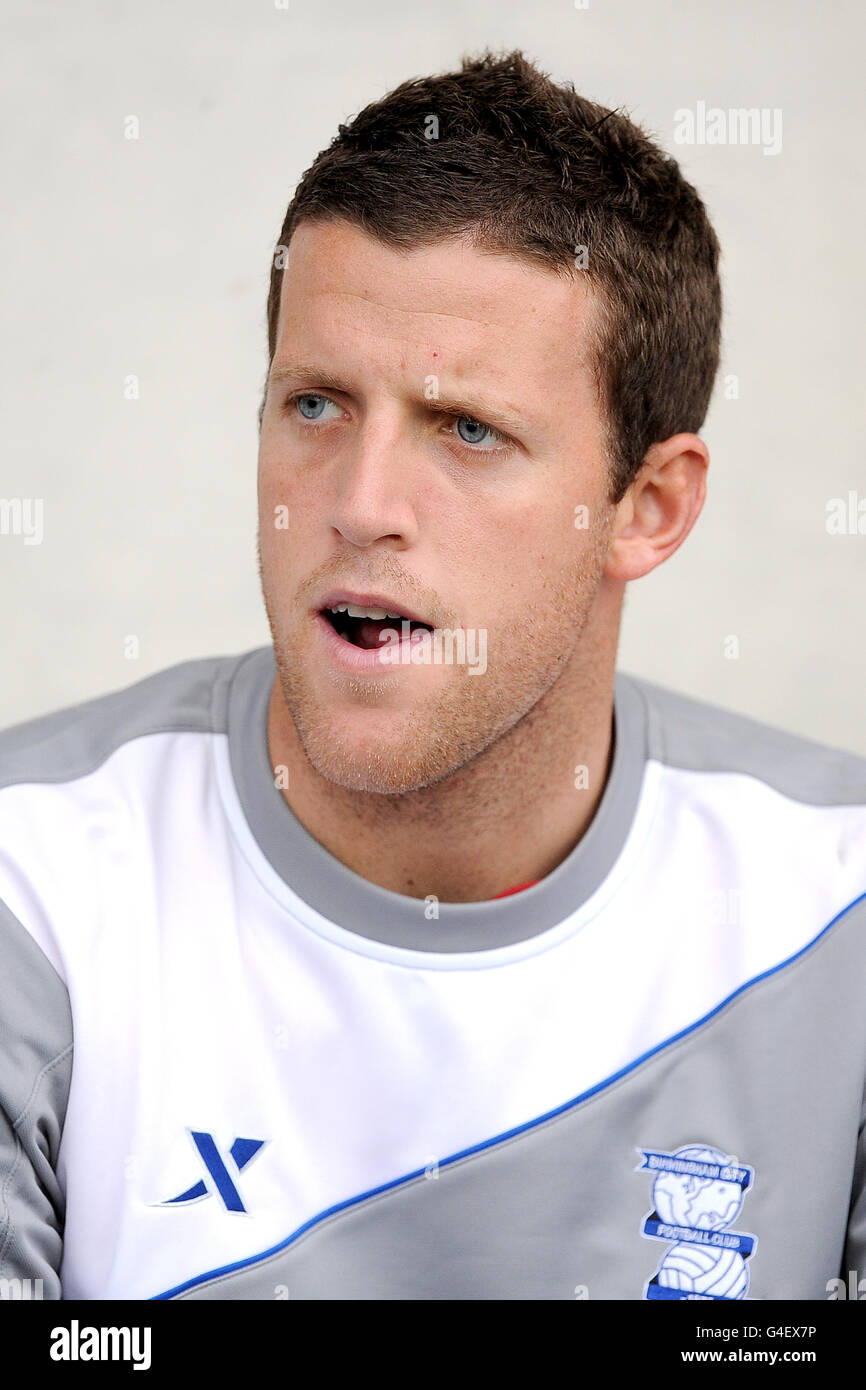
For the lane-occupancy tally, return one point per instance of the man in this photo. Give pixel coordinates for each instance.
(427, 955)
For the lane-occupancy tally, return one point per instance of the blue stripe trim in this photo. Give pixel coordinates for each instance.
(509, 1133)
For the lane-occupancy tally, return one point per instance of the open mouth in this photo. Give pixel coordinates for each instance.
(363, 627)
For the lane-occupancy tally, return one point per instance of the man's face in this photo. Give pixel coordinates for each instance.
(430, 427)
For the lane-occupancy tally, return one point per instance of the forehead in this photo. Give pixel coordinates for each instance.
(345, 291)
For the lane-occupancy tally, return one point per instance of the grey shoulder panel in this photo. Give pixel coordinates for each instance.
(35, 1075)
(563, 1207)
(74, 741)
(699, 736)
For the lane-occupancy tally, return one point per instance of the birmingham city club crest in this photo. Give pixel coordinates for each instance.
(697, 1195)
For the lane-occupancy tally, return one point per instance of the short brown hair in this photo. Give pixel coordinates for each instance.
(499, 152)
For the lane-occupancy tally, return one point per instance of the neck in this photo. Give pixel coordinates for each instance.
(509, 816)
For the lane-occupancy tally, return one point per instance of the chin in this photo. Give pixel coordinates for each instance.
(385, 754)
(386, 765)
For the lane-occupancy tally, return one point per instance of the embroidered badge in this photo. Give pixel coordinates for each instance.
(697, 1194)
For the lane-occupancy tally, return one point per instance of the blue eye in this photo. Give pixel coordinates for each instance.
(311, 405)
(476, 431)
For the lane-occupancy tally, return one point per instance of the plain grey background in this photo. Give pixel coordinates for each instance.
(150, 257)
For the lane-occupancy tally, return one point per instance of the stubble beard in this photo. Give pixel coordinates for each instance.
(430, 742)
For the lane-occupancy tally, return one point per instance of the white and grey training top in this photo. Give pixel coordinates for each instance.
(231, 1068)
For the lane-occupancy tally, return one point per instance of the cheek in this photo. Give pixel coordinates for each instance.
(493, 569)
(281, 539)
(538, 570)
(537, 544)
(290, 510)
(278, 482)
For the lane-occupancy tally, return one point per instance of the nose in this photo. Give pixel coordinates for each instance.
(372, 485)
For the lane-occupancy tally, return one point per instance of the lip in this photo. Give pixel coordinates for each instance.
(368, 600)
(346, 655)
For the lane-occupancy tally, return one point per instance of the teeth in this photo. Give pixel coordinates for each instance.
(353, 611)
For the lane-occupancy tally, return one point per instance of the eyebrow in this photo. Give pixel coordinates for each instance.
(471, 408)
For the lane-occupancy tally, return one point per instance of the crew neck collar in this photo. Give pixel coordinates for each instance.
(354, 903)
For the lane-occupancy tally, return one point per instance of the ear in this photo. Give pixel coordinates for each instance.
(660, 507)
